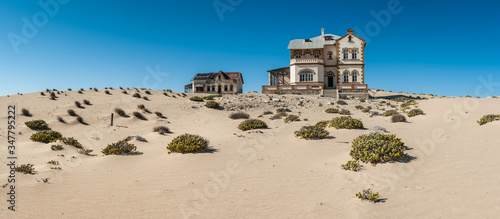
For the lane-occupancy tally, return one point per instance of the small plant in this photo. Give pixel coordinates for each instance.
(187, 143)
(60, 119)
(147, 92)
(332, 110)
(359, 107)
(120, 112)
(107, 92)
(136, 95)
(345, 112)
(378, 128)
(267, 113)
(341, 102)
(468, 96)
(322, 124)
(42, 93)
(56, 147)
(291, 118)
(312, 132)
(53, 96)
(78, 104)
(283, 110)
(377, 148)
(72, 112)
(161, 129)
(390, 113)
(408, 103)
(210, 97)
(37, 125)
(346, 122)
(95, 89)
(398, 118)
(46, 136)
(252, 124)
(366, 110)
(488, 118)
(415, 112)
(141, 106)
(367, 194)
(53, 162)
(159, 114)
(86, 102)
(239, 115)
(72, 142)
(124, 92)
(80, 92)
(119, 148)
(145, 98)
(196, 99)
(26, 169)
(351, 165)
(139, 115)
(275, 117)
(25, 112)
(212, 104)
(79, 119)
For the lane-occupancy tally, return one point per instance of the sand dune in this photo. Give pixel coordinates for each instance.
(273, 174)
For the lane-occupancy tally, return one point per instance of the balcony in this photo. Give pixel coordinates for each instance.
(304, 87)
(307, 61)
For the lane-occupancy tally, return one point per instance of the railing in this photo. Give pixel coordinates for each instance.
(310, 60)
(353, 86)
(292, 87)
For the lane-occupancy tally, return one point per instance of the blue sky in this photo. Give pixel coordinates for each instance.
(439, 47)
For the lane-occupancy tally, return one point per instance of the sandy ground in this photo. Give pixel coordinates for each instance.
(454, 172)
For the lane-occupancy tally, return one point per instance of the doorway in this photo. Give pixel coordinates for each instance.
(330, 81)
(220, 89)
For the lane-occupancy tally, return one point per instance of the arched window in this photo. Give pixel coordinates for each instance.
(306, 75)
(354, 76)
(225, 87)
(297, 54)
(346, 76)
(230, 87)
(307, 53)
(330, 55)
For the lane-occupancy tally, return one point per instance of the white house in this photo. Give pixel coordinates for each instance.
(328, 64)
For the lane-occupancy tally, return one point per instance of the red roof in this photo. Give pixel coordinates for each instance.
(232, 75)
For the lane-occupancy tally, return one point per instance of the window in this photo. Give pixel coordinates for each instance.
(219, 77)
(297, 54)
(346, 77)
(354, 76)
(306, 75)
(350, 38)
(316, 54)
(231, 88)
(346, 54)
(213, 88)
(354, 54)
(208, 88)
(225, 87)
(330, 54)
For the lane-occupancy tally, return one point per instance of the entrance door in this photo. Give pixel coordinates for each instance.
(220, 89)
(330, 80)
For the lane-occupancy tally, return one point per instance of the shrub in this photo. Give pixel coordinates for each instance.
(46, 136)
(26, 169)
(468, 96)
(137, 95)
(366, 110)
(187, 143)
(37, 125)
(196, 99)
(283, 110)
(53, 96)
(79, 119)
(322, 124)
(332, 110)
(139, 115)
(145, 98)
(80, 92)
(78, 104)
(398, 118)
(60, 119)
(25, 112)
(312, 132)
(212, 105)
(119, 148)
(415, 112)
(239, 115)
(359, 107)
(377, 148)
(267, 113)
(86, 102)
(72, 142)
(161, 129)
(275, 117)
(57, 147)
(409, 103)
(488, 118)
(95, 89)
(291, 118)
(341, 102)
(378, 128)
(147, 92)
(141, 106)
(107, 92)
(362, 100)
(124, 92)
(367, 194)
(390, 113)
(345, 112)
(120, 112)
(252, 124)
(351, 165)
(72, 112)
(210, 97)
(41, 93)
(346, 122)
(53, 162)
(159, 114)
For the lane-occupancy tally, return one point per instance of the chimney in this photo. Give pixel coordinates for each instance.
(322, 31)
(350, 31)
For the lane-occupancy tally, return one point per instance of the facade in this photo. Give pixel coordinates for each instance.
(216, 83)
(328, 64)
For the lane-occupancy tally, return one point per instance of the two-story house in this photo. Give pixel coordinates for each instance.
(328, 64)
(216, 83)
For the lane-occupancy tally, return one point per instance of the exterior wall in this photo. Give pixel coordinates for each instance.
(350, 69)
(318, 76)
(326, 50)
(237, 86)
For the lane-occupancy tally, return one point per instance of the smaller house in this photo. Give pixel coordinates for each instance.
(216, 83)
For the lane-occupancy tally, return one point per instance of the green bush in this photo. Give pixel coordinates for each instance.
(252, 124)
(345, 112)
(332, 110)
(341, 102)
(267, 113)
(57, 147)
(139, 115)
(141, 106)
(26, 169)
(292, 118)
(72, 142)
(212, 104)
(398, 118)
(196, 98)
(312, 132)
(79, 119)
(359, 107)
(159, 114)
(390, 113)
(37, 125)
(322, 124)
(120, 112)
(119, 148)
(72, 112)
(161, 129)
(409, 103)
(283, 110)
(187, 143)
(136, 95)
(239, 115)
(488, 118)
(367, 109)
(210, 97)
(377, 148)
(346, 122)
(351, 165)
(46, 136)
(78, 104)
(415, 112)
(25, 112)
(86, 102)
(367, 194)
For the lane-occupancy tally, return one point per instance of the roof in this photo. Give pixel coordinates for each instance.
(211, 76)
(313, 43)
(286, 69)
